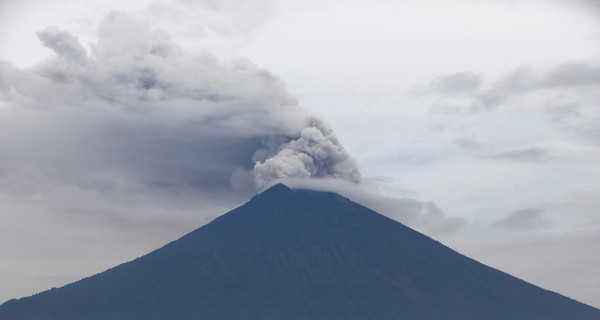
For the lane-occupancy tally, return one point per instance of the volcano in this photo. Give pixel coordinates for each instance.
(299, 254)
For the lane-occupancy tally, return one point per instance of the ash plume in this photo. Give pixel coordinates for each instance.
(138, 113)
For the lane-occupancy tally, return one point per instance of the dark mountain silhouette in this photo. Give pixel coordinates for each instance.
(299, 254)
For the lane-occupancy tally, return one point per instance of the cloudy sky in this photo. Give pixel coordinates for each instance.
(126, 124)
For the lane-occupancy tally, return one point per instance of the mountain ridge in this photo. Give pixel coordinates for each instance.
(299, 254)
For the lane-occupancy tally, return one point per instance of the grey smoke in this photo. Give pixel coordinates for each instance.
(140, 114)
(316, 153)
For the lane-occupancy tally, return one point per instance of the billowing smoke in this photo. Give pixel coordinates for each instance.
(139, 114)
(316, 153)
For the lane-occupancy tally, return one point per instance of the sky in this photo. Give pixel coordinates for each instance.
(126, 124)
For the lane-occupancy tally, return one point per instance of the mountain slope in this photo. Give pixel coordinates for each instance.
(299, 254)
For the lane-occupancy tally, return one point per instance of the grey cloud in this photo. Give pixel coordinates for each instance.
(63, 44)
(523, 155)
(523, 220)
(468, 144)
(516, 82)
(523, 80)
(526, 155)
(577, 116)
(458, 83)
(560, 111)
(590, 130)
(569, 75)
(572, 75)
(593, 4)
(438, 127)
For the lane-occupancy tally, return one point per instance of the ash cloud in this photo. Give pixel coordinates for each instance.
(316, 153)
(139, 114)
